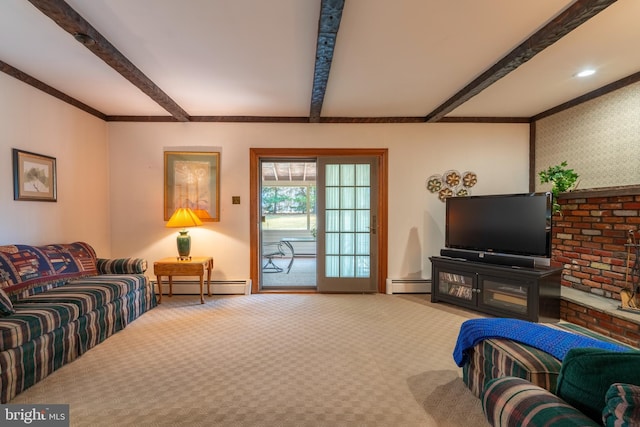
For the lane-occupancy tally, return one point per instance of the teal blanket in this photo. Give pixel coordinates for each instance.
(553, 341)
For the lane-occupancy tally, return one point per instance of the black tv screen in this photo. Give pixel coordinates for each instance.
(518, 224)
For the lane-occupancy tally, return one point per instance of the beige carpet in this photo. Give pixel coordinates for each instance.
(273, 360)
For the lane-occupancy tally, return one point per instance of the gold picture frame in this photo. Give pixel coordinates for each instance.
(34, 177)
(192, 179)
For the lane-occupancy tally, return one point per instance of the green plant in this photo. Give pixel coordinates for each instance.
(561, 178)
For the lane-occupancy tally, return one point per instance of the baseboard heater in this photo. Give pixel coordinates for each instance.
(218, 287)
(408, 286)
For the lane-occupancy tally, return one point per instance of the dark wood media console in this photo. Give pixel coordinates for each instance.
(503, 291)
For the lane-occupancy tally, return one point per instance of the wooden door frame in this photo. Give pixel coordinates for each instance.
(258, 154)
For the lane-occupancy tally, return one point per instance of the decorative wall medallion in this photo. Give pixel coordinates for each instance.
(451, 183)
(434, 183)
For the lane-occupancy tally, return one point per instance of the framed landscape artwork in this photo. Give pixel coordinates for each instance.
(34, 177)
(192, 180)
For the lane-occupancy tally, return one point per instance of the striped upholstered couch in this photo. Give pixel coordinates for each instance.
(57, 302)
(520, 384)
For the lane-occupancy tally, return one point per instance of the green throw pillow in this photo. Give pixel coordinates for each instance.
(587, 373)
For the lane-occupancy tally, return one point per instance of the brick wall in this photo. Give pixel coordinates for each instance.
(609, 324)
(589, 240)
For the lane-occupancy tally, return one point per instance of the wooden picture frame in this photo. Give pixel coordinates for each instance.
(34, 177)
(192, 179)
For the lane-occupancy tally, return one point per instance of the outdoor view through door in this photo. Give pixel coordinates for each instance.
(288, 224)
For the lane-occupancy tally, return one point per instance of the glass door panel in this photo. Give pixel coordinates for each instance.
(506, 296)
(346, 239)
(288, 224)
(456, 285)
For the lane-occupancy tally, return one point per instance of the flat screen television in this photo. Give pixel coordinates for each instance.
(514, 224)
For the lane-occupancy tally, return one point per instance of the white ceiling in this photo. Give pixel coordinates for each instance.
(400, 58)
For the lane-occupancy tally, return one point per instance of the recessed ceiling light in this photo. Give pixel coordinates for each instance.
(585, 73)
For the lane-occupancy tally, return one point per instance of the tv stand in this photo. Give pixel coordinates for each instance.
(499, 290)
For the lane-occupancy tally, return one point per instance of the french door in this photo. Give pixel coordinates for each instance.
(351, 216)
(347, 224)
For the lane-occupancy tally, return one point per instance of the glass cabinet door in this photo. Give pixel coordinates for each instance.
(456, 285)
(505, 296)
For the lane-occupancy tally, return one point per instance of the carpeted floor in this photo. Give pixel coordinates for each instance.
(273, 360)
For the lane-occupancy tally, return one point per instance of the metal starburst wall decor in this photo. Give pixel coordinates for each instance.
(451, 183)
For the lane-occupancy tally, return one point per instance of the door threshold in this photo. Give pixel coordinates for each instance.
(289, 290)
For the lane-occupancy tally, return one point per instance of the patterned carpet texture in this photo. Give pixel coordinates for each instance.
(273, 360)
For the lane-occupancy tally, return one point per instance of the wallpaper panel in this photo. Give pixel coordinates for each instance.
(600, 140)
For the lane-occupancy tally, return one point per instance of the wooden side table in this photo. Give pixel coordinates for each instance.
(172, 266)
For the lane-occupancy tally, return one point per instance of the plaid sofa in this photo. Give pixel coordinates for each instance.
(521, 385)
(57, 302)
(497, 357)
(590, 392)
(515, 402)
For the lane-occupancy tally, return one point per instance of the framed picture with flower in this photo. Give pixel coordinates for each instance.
(192, 180)
(34, 177)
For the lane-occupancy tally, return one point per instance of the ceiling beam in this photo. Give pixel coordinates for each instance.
(575, 15)
(26, 78)
(325, 119)
(67, 18)
(328, 25)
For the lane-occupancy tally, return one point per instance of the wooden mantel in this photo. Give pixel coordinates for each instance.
(627, 190)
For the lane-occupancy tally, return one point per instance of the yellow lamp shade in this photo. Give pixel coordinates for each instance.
(182, 218)
(202, 213)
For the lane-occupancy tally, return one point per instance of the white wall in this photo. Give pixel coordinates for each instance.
(110, 178)
(498, 153)
(33, 121)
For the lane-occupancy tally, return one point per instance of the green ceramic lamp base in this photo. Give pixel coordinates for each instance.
(184, 245)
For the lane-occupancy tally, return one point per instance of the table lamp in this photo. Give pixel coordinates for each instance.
(202, 213)
(183, 218)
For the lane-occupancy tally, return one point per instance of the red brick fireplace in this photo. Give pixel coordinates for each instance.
(589, 241)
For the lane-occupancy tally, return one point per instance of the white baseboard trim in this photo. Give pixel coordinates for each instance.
(408, 286)
(218, 287)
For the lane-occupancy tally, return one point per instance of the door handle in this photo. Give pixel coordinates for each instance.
(374, 224)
